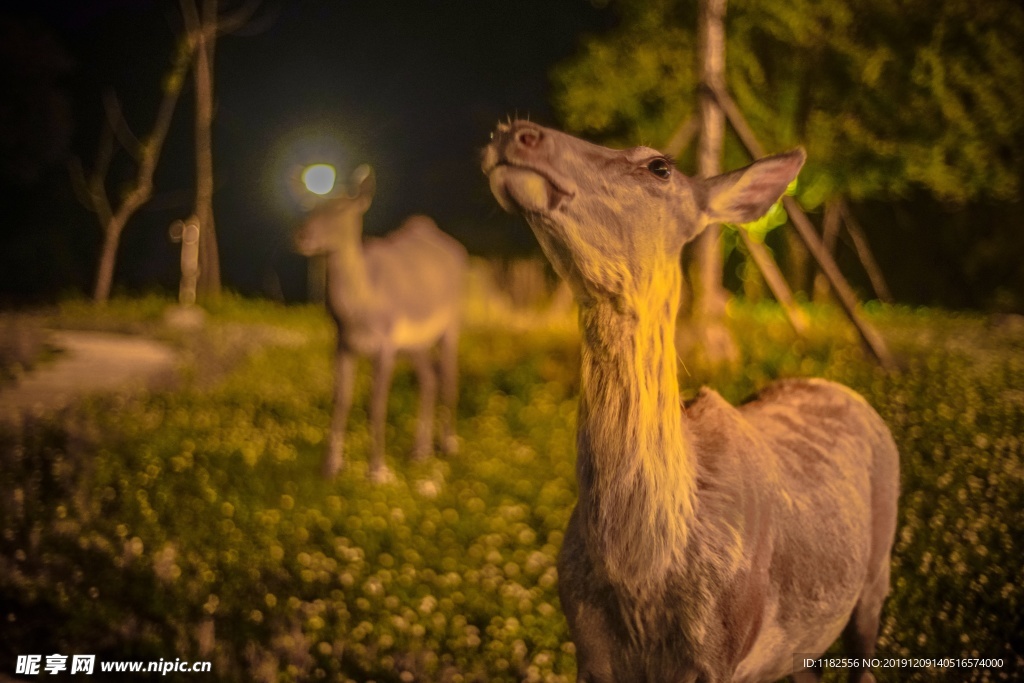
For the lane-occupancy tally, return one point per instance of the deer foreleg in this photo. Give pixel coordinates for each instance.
(344, 370)
(861, 632)
(449, 372)
(384, 366)
(426, 374)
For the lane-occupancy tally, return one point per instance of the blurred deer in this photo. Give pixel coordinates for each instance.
(399, 293)
(710, 542)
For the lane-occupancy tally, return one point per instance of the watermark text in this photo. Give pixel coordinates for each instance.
(32, 665)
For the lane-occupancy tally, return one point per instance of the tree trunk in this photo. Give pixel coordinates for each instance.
(867, 259)
(710, 295)
(108, 256)
(829, 236)
(209, 258)
(765, 264)
(797, 262)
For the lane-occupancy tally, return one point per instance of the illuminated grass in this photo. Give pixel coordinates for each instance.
(132, 524)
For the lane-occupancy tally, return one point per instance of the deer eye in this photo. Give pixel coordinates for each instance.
(660, 167)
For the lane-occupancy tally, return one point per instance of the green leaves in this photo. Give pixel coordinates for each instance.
(775, 217)
(630, 88)
(885, 97)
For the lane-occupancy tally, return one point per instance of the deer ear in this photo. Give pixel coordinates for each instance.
(745, 195)
(364, 184)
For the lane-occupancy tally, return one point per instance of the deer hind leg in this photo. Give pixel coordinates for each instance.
(426, 374)
(344, 371)
(384, 366)
(861, 632)
(449, 372)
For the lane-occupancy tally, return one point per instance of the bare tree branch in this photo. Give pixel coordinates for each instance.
(231, 22)
(867, 258)
(191, 17)
(92, 190)
(120, 128)
(681, 137)
(805, 228)
(829, 236)
(776, 282)
(254, 25)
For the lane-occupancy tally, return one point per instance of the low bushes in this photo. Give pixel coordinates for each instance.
(193, 523)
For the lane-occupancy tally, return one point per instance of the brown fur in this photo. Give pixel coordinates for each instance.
(400, 293)
(712, 543)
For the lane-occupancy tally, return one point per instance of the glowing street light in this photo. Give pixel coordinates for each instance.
(319, 178)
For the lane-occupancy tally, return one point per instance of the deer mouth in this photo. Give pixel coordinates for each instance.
(522, 187)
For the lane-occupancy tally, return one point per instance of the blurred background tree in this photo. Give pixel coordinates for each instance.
(113, 216)
(895, 102)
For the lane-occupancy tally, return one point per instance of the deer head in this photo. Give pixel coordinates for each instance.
(608, 219)
(337, 221)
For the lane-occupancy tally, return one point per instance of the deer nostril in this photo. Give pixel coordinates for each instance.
(528, 138)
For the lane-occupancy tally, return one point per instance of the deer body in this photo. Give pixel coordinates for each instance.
(710, 542)
(396, 294)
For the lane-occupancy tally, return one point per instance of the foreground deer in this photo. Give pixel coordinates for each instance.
(714, 543)
(398, 293)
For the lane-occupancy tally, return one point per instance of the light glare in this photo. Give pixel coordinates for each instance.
(319, 178)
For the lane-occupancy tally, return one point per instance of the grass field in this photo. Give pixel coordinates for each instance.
(192, 523)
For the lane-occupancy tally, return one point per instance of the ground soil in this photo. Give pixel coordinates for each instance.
(90, 362)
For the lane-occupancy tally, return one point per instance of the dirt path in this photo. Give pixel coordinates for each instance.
(91, 362)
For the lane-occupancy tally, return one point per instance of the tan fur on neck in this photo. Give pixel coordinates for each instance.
(632, 455)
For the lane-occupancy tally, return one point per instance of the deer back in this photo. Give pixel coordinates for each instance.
(416, 273)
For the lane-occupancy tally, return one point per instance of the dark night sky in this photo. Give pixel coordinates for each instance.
(411, 87)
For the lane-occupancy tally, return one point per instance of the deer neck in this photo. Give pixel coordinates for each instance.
(348, 282)
(635, 467)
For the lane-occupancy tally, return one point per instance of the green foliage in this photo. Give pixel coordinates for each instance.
(885, 96)
(130, 524)
(774, 218)
(635, 85)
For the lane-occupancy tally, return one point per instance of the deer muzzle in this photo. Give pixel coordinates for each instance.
(518, 164)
